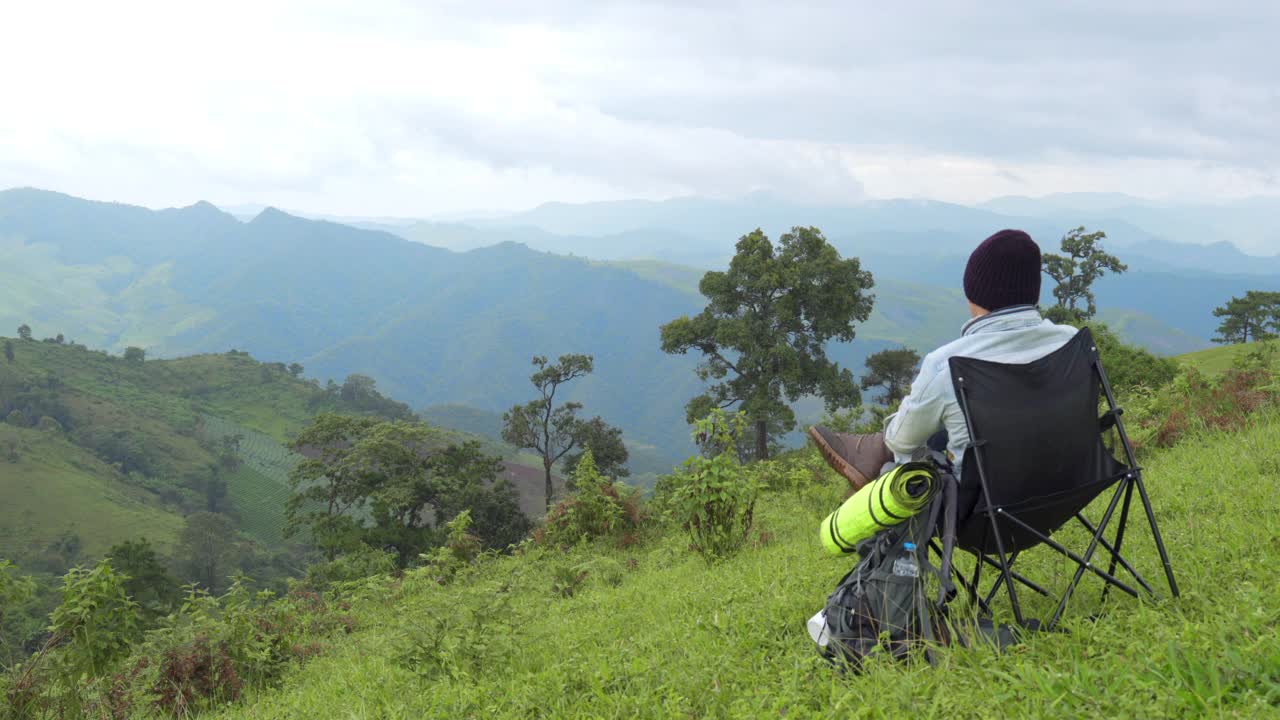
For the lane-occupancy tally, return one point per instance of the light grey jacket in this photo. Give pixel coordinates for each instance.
(1011, 335)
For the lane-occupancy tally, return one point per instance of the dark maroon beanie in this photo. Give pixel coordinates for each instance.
(1004, 271)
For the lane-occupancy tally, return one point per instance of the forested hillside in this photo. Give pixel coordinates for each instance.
(436, 327)
(98, 450)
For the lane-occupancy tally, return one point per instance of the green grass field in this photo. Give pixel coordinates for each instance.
(656, 633)
(1215, 360)
(55, 488)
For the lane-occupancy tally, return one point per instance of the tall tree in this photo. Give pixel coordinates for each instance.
(135, 354)
(606, 446)
(467, 480)
(394, 461)
(399, 476)
(1083, 261)
(1256, 316)
(328, 489)
(540, 425)
(149, 584)
(208, 548)
(8, 350)
(764, 330)
(24, 331)
(893, 370)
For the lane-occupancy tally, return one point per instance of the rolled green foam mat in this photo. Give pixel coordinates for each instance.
(882, 503)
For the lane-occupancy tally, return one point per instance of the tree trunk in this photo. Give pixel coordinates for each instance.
(546, 465)
(762, 440)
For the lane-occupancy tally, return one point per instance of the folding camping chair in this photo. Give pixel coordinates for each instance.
(1037, 459)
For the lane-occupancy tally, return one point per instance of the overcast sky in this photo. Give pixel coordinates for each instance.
(383, 108)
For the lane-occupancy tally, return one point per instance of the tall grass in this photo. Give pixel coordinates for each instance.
(654, 631)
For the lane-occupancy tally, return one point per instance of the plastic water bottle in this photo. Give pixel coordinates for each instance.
(906, 566)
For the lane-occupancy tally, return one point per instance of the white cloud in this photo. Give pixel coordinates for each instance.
(382, 108)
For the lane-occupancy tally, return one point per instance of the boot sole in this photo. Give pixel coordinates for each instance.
(856, 479)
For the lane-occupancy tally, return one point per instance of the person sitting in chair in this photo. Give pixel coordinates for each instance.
(1002, 285)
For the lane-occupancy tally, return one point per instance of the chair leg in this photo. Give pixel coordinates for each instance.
(1115, 554)
(1135, 474)
(1116, 557)
(1005, 569)
(1020, 579)
(1086, 562)
(1002, 579)
(1155, 532)
(1057, 547)
(971, 587)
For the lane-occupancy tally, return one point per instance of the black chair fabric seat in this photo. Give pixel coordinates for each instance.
(1037, 459)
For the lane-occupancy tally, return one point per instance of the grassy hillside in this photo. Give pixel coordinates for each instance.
(1215, 360)
(131, 445)
(51, 489)
(1145, 331)
(654, 632)
(103, 450)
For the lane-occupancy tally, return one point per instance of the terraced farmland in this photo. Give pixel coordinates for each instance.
(260, 487)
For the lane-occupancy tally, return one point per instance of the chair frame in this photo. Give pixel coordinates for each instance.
(1003, 562)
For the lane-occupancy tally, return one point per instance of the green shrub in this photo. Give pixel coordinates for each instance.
(362, 562)
(96, 622)
(843, 421)
(461, 639)
(461, 548)
(597, 508)
(606, 570)
(714, 499)
(15, 588)
(567, 577)
(16, 591)
(98, 664)
(213, 648)
(1130, 368)
(1195, 402)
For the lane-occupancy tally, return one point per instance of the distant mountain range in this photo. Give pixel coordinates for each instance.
(1163, 302)
(452, 318)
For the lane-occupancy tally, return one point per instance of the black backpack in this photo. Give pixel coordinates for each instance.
(881, 605)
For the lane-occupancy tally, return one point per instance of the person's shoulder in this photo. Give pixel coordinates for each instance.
(939, 357)
(935, 363)
(1065, 331)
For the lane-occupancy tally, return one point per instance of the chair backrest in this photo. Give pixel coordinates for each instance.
(1037, 441)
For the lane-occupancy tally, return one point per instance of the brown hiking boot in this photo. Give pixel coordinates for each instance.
(857, 457)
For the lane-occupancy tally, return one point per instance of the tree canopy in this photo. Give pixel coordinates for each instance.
(604, 442)
(540, 425)
(1083, 261)
(763, 333)
(893, 370)
(1256, 316)
(404, 478)
(208, 548)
